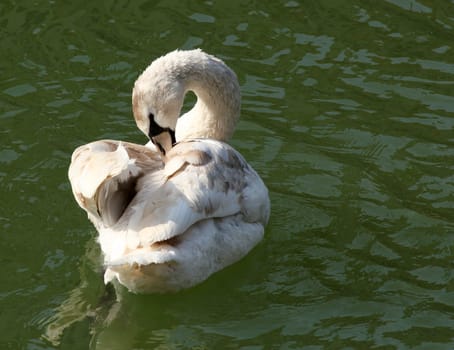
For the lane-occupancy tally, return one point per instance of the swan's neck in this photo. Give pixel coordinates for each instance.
(159, 93)
(217, 109)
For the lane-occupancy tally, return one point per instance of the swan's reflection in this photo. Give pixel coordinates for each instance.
(95, 305)
(110, 317)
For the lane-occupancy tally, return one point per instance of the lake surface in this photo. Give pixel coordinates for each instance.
(348, 116)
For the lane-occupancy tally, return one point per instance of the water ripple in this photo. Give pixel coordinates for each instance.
(347, 115)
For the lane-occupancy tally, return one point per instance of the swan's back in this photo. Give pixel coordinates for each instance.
(168, 225)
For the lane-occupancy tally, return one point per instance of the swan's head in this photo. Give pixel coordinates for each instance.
(157, 99)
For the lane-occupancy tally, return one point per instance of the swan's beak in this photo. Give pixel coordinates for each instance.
(164, 141)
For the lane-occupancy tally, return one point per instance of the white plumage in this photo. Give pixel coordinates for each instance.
(169, 217)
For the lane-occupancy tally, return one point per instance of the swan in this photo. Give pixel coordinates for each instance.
(171, 213)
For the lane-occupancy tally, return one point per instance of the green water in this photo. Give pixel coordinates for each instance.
(348, 115)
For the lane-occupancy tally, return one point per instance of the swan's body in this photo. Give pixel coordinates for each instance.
(168, 219)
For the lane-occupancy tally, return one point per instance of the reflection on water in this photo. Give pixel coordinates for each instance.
(347, 115)
(85, 301)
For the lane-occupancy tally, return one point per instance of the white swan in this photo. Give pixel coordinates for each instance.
(170, 216)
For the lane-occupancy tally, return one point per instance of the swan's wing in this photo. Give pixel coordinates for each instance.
(135, 200)
(200, 180)
(103, 176)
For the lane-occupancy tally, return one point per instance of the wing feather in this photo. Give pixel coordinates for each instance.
(200, 180)
(103, 176)
(136, 199)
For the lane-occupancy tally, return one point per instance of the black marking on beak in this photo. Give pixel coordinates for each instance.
(156, 129)
(161, 149)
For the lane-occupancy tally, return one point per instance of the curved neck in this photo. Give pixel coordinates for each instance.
(217, 109)
(159, 93)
